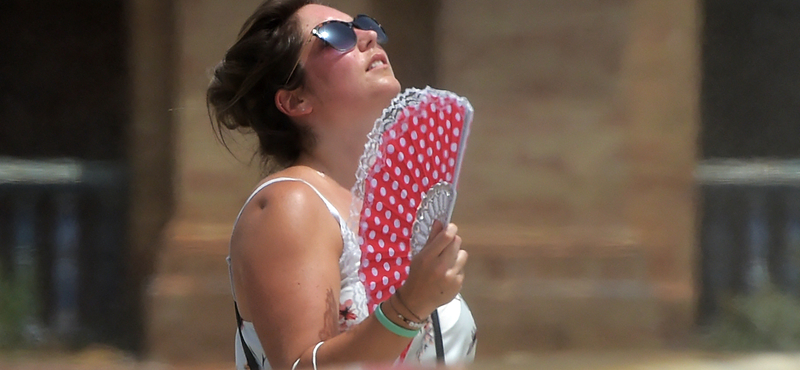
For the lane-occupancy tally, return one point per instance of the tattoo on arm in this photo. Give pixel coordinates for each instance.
(330, 317)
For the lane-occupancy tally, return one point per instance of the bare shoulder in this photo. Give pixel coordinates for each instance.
(282, 214)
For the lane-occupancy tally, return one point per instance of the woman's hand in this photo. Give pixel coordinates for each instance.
(437, 271)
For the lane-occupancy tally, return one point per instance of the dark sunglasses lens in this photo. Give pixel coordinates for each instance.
(365, 22)
(338, 35)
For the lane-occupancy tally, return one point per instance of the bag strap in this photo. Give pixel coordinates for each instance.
(252, 363)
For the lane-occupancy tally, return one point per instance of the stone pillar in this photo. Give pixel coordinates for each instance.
(150, 148)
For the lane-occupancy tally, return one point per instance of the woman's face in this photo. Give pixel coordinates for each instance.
(344, 87)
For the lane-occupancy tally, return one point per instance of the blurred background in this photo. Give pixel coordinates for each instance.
(630, 194)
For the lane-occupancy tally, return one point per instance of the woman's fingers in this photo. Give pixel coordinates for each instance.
(439, 238)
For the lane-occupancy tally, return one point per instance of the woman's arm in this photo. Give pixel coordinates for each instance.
(285, 256)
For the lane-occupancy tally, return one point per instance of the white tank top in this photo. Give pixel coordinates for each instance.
(457, 325)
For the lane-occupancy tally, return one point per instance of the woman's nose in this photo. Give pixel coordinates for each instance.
(366, 38)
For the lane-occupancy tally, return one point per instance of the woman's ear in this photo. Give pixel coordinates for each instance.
(291, 104)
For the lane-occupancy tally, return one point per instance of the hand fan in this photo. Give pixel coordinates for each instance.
(407, 178)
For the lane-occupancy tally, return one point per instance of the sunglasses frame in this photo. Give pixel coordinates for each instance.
(318, 33)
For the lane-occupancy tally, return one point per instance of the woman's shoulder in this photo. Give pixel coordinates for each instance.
(285, 208)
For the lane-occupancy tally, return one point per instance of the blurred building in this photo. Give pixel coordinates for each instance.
(578, 203)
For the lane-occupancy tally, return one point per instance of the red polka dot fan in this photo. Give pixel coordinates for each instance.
(406, 179)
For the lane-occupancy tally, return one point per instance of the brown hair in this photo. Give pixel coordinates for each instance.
(241, 95)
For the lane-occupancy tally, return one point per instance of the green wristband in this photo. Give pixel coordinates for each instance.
(394, 328)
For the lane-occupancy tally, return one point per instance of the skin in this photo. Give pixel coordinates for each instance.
(286, 278)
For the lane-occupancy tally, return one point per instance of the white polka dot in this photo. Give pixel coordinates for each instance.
(371, 197)
(409, 217)
(430, 151)
(403, 193)
(392, 134)
(440, 130)
(449, 177)
(385, 229)
(370, 248)
(414, 188)
(377, 221)
(374, 273)
(441, 115)
(379, 206)
(391, 252)
(365, 263)
(415, 120)
(414, 135)
(431, 137)
(448, 124)
(392, 289)
(446, 154)
(379, 295)
(406, 180)
(458, 117)
(405, 230)
(424, 129)
(399, 261)
(367, 212)
(390, 147)
(389, 162)
(401, 156)
(427, 167)
(388, 214)
(383, 191)
(393, 237)
(438, 145)
(456, 131)
(433, 108)
(400, 208)
(425, 181)
(373, 182)
(397, 275)
(396, 171)
(381, 244)
(451, 162)
(392, 200)
(444, 168)
(424, 114)
(437, 160)
(436, 174)
(420, 157)
(402, 141)
(407, 268)
(404, 127)
(411, 150)
(409, 164)
(362, 277)
(372, 234)
(402, 246)
(416, 173)
(385, 280)
(422, 143)
(453, 147)
(431, 121)
(386, 266)
(412, 202)
(378, 257)
(396, 223)
(372, 283)
(395, 185)
(449, 109)
(447, 139)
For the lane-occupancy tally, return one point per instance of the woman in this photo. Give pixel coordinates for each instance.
(310, 81)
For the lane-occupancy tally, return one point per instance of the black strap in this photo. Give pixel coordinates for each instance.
(252, 363)
(437, 337)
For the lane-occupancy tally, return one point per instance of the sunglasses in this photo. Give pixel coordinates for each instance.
(341, 35)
